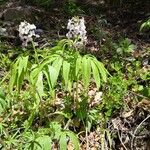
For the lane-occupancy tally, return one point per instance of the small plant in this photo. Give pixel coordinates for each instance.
(72, 8)
(125, 46)
(3, 102)
(145, 25)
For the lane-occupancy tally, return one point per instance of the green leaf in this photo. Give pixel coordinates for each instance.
(145, 25)
(86, 71)
(109, 137)
(34, 75)
(53, 74)
(96, 74)
(74, 139)
(44, 143)
(66, 70)
(18, 72)
(2, 94)
(3, 104)
(78, 66)
(13, 78)
(48, 79)
(61, 113)
(39, 84)
(57, 64)
(102, 70)
(63, 141)
(23, 62)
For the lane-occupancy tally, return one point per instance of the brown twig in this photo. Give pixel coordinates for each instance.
(134, 134)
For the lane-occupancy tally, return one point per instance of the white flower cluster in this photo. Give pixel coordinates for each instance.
(77, 30)
(27, 32)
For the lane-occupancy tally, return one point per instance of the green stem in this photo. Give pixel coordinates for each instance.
(77, 103)
(36, 54)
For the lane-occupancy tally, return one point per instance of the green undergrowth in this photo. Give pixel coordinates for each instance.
(45, 100)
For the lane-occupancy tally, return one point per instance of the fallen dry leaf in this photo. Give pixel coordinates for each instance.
(127, 114)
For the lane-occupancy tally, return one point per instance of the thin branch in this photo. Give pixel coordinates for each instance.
(67, 124)
(139, 95)
(121, 141)
(134, 134)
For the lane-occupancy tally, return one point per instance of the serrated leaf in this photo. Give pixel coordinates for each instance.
(74, 139)
(63, 141)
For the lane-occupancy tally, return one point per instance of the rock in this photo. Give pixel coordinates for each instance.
(13, 14)
(19, 13)
(3, 31)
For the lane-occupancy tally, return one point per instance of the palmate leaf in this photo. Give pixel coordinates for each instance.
(63, 141)
(52, 72)
(36, 69)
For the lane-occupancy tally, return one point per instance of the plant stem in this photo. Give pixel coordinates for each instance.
(77, 94)
(87, 139)
(67, 125)
(36, 54)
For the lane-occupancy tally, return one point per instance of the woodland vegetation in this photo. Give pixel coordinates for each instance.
(74, 74)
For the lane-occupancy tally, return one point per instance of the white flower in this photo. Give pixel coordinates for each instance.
(77, 30)
(27, 32)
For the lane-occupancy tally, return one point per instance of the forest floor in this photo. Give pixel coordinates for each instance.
(130, 124)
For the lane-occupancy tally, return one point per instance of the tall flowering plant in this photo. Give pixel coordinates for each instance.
(77, 31)
(27, 33)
